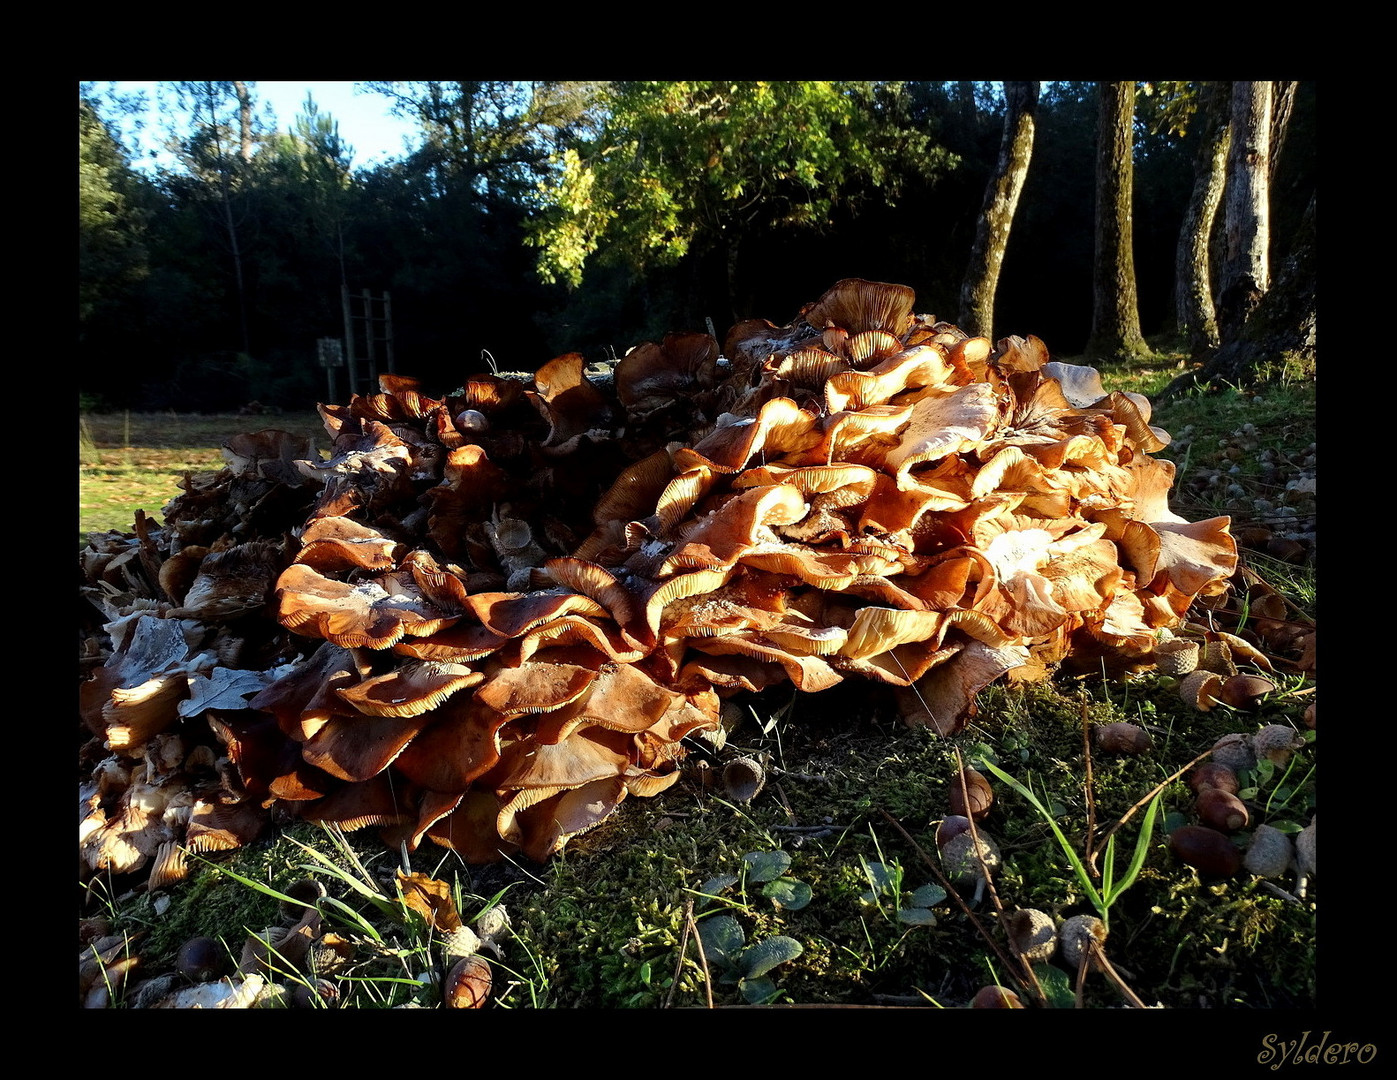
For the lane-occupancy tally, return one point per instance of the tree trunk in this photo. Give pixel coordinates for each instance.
(1197, 317)
(1281, 331)
(1115, 325)
(1246, 273)
(997, 214)
(1282, 101)
(244, 121)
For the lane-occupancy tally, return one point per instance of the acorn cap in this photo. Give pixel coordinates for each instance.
(1076, 934)
(743, 779)
(1270, 853)
(1178, 656)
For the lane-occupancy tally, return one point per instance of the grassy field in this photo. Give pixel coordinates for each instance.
(847, 816)
(129, 461)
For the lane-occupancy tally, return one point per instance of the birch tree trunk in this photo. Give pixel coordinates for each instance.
(1246, 272)
(1115, 324)
(1195, 312)
(981, 282)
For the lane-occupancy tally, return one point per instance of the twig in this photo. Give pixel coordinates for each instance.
(1090, 791)
(683, 946)
(703, 957)
(975, 839)
(1094, 949)
(819, 778)
(1027, 976)
(1152, 793)
(781, 796)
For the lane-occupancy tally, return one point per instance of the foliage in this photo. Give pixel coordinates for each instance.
(687, 166)
(880, 180)
(491, 138)
(112, 254)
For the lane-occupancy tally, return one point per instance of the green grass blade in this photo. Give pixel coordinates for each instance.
(1142, 851)
(352, 917)
(256, 886)
(1081, 871)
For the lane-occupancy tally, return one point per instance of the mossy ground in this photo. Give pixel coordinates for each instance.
(600, 926)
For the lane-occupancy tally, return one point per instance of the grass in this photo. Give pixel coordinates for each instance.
(609, 923)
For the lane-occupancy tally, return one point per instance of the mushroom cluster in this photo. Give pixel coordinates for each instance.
(485, 619)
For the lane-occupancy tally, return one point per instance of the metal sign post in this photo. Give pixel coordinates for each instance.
(331, 352)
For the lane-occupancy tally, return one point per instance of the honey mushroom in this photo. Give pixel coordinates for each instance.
(474, 642)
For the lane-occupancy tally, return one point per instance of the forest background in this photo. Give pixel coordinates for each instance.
(536, 218)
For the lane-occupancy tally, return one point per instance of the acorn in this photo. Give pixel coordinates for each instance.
(1276, 742)
(201, 959)
(1216, 657)
(1211, 774)
(305, 892)
(995, 997)
(961, 862)
(320, 994)
(977, 789)
(743, 779)
(1123, 738)
(1305, 852)
(1245, 691)
(1206, 850)
(1221, 809)
(1177, 656)
(467, 983)
(1201, 689)
(951, 825)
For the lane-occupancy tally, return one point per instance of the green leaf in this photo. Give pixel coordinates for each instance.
(1142, 850)
(880, 875)
(722, 939)
(351, 917)
(1057, 985)
(757, 991)
(916, 916)
(715, 885)
(756, 960)
(927, 896)
(766, 865)
(790, 894)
